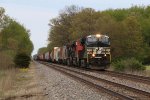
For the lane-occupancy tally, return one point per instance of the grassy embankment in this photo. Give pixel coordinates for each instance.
(148, 70)
(141, 73)
(7, 73)
(7, 81)
(148, 67)
(17, 83)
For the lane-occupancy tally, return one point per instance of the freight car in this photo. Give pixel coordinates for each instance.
(41, 57)
(59, 55)
(47, 56)
(35, 57)
(89, 51)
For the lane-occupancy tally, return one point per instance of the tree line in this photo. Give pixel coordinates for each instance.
(128, 29)
(14, 38)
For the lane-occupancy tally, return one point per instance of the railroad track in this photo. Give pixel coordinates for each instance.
(142, 79)
(88, 79)
(135, 78)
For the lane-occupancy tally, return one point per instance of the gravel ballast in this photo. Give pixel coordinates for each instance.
(126, 82)
(130, 83)
(58, 86)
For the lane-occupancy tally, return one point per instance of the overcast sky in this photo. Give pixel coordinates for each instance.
(35, 14)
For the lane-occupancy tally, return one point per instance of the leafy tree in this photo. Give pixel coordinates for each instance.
(83, 23)
(128, 29)
(14, 37)
(60, 27)
(145, 28)
(134, 40)
(4, 19)
(117, 14)
(42, 50)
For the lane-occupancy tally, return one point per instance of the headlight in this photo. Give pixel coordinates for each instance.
(93, 55)
(98, 35)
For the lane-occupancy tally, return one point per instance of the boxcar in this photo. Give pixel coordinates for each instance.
(47, 56)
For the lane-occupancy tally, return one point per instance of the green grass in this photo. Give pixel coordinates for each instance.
(2, 74)
(148, 67)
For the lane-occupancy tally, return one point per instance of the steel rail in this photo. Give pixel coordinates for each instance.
(137, 78)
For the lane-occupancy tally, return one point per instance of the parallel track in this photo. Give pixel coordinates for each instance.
(101, 88)
(136, 78)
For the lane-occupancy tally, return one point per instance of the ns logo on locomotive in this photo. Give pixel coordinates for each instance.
(88, 51)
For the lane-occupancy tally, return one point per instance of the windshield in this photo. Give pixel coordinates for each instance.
(92, 40)
(104, 39)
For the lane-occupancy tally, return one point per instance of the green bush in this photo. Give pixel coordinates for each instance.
(22, 60)
(130, 64)
(118, 66)
(146, 60)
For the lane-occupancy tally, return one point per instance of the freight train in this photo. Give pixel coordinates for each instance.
(89, 51)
